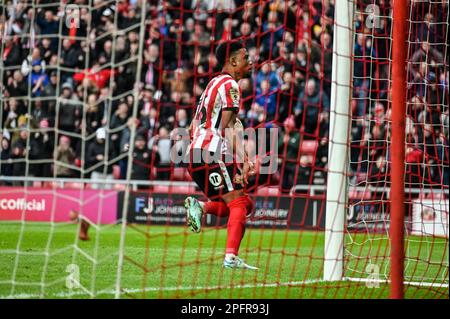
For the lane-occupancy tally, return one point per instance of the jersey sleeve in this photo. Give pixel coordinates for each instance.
(232, 96)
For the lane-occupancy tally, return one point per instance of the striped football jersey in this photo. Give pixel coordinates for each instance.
(221, 93)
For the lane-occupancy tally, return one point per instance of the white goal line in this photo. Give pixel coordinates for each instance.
(208, 288)
(408, 283)
(149, 289)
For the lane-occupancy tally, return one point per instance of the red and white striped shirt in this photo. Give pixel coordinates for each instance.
(221, 93)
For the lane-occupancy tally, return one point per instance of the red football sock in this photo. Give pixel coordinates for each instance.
(220, 209)
(239, 208)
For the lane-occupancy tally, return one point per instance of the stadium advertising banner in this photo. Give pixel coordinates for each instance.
(369, 216)
(270, 212)
(45, 205)
(430, 217)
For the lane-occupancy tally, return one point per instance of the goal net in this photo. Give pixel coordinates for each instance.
(95, 100)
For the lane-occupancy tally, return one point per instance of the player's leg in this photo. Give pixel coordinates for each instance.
(84, 224)
(240, 207)
(203, 175)
(195, 210)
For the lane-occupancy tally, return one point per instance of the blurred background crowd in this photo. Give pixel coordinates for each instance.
(67, 89)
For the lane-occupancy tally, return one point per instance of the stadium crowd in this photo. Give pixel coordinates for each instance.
(67, 89)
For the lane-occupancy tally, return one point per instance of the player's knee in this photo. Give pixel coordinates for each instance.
(249, 205)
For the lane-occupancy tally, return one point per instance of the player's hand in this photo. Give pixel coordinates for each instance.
(238, 179)
(245, 172)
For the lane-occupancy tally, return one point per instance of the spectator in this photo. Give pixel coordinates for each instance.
(95, 78)
(181, 118)
(19, 152)
(70, 110)
(94, 114)
(47, 22)
(38, 79)
(289, 146)
(49, 92)
(71, 56)
(363, 69)
(152, 66)
(11, 52)
(143, 159)
(33, 60)
(124, 145)
(17, 86)
(41, 151)
(149, 123)
(161, 144)
(303, 65)
(118, 123)
(288, 89)
(266, 100)
(65, 156)
(311, 103)
(99, 160)
(267, 73)
(322, 156)
(6, 167)
(414, 159)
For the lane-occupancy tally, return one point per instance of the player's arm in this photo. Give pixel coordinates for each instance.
(230, 120)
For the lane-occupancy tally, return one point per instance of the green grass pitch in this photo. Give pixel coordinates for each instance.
(171, 262)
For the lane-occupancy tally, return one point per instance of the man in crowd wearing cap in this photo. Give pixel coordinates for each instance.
(98, 160)
(69, 110)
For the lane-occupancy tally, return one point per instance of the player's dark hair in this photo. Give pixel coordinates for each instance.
(226, 49)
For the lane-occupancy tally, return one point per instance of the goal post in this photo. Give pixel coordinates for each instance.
(398, 147)
(337, 184)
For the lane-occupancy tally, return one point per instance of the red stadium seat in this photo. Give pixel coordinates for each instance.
(309, 147)
(52, 185)
(182, 189)
(74, 185)
(119, 187)
(37, 184)
(161, 189)
(268, 191)
(179, 173)
(359, 195)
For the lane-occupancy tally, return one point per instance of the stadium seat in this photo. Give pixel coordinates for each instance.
(359, 195)
(308, 147)
(268, 191)
(182, 189)
(161, 189)
(74, 185)
(37, 184)
(119, 187)
(52, 184)
(179, 173)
